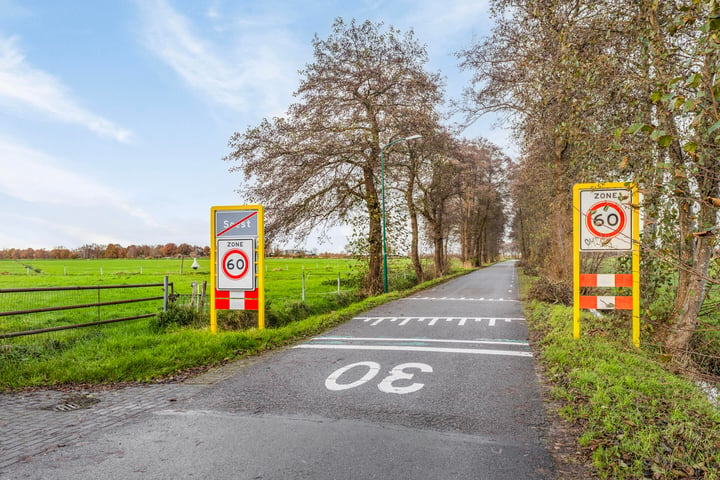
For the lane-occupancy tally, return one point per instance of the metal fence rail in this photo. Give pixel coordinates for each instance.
(167, 295)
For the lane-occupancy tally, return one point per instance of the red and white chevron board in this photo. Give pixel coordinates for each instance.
(236, 300)
(606, 280)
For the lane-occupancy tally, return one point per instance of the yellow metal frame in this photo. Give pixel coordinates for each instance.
(260, 262)
(635, 252)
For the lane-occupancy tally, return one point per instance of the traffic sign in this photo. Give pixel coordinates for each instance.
(237, 255)
(604, 219)
(236, 223)
(236, 265)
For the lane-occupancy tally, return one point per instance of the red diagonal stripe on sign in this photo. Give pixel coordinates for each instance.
(236, 224)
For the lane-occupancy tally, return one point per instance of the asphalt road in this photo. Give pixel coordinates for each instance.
(441, 385)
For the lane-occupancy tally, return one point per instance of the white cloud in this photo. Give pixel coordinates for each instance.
(258, 69)
(24, 85)
(35, 177)
(442, 19)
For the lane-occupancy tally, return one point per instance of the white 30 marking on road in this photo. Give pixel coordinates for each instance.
(332, 384)
(386, 385)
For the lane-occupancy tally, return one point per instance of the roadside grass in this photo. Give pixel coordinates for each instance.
(638, 420)
(135, 352)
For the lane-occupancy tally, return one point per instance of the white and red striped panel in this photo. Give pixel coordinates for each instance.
(606, 302)
(606, 280)
(236, 300)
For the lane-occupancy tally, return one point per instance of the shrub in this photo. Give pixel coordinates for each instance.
(547, 291)
(177, 316)
(237, 320)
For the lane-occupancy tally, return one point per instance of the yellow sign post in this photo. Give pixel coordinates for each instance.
(237, 259)
(606, 218)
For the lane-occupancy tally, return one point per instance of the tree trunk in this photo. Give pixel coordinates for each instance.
(375, 264)
(694, 261)
(414, 236)
(465, 235)
(478, 261)
(692, 299)
(439, 247)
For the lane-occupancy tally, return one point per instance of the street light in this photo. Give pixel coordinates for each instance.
(382, 182)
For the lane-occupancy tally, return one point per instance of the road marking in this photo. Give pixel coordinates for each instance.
(463, 299)
(490, 341)
(461, 321)
(332, 384)
(472, 351)
(397, 374)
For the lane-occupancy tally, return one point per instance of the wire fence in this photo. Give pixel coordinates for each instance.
(310, 282)
(32, 311)
(25, 313)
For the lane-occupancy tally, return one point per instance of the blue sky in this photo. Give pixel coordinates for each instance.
(115, 115)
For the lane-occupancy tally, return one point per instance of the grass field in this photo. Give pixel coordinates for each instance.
(283, 276)
(134, 350)
(325, 282)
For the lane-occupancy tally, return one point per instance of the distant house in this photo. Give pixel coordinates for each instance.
(297, 253)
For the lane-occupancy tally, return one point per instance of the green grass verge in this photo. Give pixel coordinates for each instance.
(134, 352)
(638, 420)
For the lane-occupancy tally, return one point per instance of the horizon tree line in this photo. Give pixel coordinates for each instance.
(111, 250)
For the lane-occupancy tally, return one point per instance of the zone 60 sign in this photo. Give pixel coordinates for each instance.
(236, 264)
(605, 219)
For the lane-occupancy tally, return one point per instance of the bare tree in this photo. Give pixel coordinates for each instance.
(319, 164)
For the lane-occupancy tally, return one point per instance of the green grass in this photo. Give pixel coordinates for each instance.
(135, 351)
(638, 420)
(283, 286)
(283, 277)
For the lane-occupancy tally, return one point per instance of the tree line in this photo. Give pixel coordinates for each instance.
(347, 153)
(111, 250)
(611, 90)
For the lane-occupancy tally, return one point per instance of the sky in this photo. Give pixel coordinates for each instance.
(115, 115)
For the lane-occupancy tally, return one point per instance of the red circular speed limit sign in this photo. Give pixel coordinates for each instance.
(235, 264)
(605, 219)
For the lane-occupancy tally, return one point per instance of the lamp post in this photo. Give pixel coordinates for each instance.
(382, 182)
